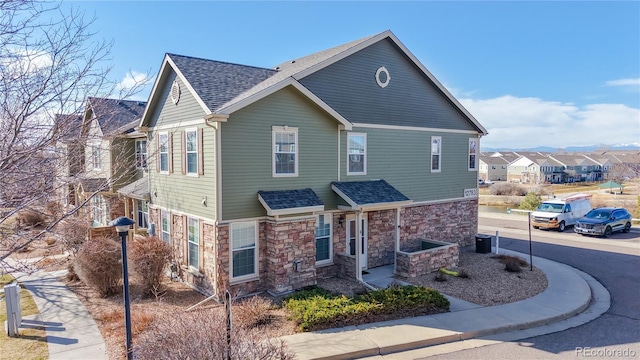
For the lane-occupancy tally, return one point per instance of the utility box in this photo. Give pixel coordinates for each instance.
(14, 312)
(483, 244)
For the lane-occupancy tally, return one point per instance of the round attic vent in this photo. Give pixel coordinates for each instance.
(382, 77)
(175, 92)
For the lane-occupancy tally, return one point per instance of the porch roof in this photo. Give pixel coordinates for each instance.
(138, 189)
(94, 185)
(366, 195)
(286, 202)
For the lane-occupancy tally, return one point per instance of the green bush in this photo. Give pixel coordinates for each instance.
(530, 202)
(314, 308)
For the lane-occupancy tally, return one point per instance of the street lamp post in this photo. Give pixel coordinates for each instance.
(122, 224)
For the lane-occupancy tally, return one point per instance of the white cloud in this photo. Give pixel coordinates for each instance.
(530, 122)
(624, 82)
(131, 80)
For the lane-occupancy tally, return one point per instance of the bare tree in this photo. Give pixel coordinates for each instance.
(50, 63)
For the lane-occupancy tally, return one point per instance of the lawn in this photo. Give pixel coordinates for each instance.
(32, 343)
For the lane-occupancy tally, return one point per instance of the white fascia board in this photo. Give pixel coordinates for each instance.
(344, 197)
(385, 206)
(289, 211)
(413, 128)
(184, 80)
(279, 86)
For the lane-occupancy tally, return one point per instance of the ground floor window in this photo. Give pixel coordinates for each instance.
(143, 214)
(97, 209)
(323, 238)
(244, 245)
(194, 244)
(165, 226)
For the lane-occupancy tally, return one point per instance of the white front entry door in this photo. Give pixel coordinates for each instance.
(351, 240)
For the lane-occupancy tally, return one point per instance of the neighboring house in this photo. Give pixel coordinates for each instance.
(113, 157)
(69, 150)
(493, 168)
(268, 179)
(578, 167)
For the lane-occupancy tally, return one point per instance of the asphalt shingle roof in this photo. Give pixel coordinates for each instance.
(370, 192)
(138, 189)
(68, 126)
(290, 199)
(217, 82)
(93, 185)
(112, 114)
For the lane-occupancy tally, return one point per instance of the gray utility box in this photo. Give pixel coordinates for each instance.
(14, 313)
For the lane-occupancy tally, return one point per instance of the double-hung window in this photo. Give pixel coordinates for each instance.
(193, 230)
(323, 238)
(356, 154)
(163, 150)
(436, 153)
(143, 213)
(244, 250)
(191, 139)
(285, 151)
(165, 227)
(473, 146)
(141, 154)
(95, 157)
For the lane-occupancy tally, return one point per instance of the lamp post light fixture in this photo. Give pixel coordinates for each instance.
(122, 225)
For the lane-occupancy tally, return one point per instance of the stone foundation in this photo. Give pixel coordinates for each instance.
(453, 222)
(418, 263)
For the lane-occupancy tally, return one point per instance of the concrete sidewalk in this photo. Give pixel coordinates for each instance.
(71, 331)
(569, 292)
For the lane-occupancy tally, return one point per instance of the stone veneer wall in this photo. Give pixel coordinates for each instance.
(381, 235)
(346, 265)
(116, 206)
(223, 262)
(413, 264)
(454, 222)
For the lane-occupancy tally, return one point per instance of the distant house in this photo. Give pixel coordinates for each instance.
(493, 168)
(115, 155)
(578, 167)
(69, 151)
(269, 179)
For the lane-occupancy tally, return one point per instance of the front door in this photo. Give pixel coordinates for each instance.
(351, 240)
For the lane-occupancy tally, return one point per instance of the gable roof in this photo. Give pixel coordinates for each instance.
(112, 114)
(223, 94)
(286, 202)
(68, 127)
(367, 194)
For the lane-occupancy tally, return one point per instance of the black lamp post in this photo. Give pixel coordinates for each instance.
(122, 227)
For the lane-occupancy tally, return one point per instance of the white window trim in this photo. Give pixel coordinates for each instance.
(474, 153)
(145, 154)
(166, 213)
(197, 234)
(364, 168)
(284, 129)
(186, 153)
(328, 217)
(237, 279)
(160, 134)
(96, 156)
(439, 169)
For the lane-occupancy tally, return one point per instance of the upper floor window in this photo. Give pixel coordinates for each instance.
(163, 151)
(323, 238)
(285, 151)
(473, 146)
(356, 154)
(95, 157)
(141, 154)
(436, 153)
(191, 139)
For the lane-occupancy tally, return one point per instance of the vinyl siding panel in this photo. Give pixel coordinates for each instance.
(124, 163)
(403, 159)
(411, 99)
(168, 113)
(247, 152)
(184, 193)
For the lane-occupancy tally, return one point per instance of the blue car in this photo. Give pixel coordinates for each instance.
(603, 222)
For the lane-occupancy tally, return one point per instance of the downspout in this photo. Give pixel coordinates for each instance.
(359, 235)
(395, 255)
(338, 153)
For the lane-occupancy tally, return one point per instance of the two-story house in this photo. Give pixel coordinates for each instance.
(493, 167)
(69, 151)
(268, 179)
(112, 156)
(578, 167)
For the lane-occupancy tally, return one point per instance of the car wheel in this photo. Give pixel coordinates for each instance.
(561, 226)
(607, 232)
(536, 227)
(627, 227)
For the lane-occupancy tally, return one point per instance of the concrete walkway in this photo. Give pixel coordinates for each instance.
(570, 292)
(71, 331)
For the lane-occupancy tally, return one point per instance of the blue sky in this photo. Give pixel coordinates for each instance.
(533, 73)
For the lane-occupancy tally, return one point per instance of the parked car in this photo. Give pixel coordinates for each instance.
(480, 182)
(603, 222)
(560, 213)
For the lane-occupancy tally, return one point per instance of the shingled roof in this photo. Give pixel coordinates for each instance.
(112, 114)
(68, 127)
(283, 202)
(361, 194)
(217, 82)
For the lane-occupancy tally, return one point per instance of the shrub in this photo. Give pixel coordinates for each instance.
(207, 339)
(149, 258)
(252, 312)
(98, 265)
(53, 208)
(530, 202)
(72, 233)
(314, 309)
(512, 267)
(512, 259)
(30, 218)
(504, 188)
